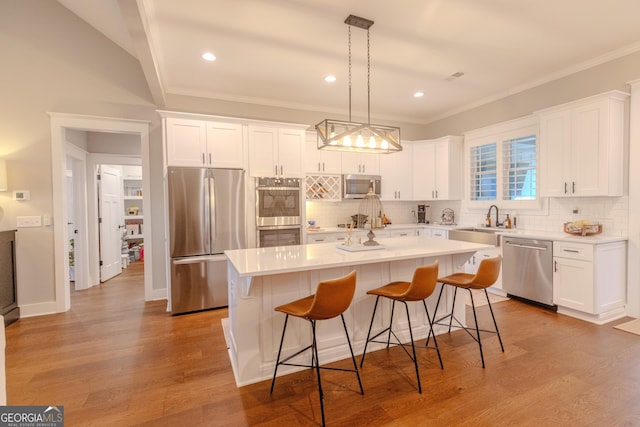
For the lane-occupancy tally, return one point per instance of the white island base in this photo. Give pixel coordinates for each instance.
(264, 278)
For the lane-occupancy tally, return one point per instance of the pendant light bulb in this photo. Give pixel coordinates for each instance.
(346, 141)
(384, 145)
(372, 142)
(359, 141)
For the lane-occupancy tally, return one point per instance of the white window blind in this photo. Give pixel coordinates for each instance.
(519, 168)
(483, 162)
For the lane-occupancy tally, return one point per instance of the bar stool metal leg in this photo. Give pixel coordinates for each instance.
(432, 333)
(317, 366)
(366, 343)
(494, 320)
(353, 357)
(275, 371)
(413, 347)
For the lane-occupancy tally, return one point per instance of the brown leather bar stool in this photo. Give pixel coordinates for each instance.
(331, 299)
(421, 287)
(486, 276)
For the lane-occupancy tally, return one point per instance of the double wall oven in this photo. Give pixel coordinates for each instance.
(278, 211)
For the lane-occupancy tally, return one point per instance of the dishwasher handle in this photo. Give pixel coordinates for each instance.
(526, 245)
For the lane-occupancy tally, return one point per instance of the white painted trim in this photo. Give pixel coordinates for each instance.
(633, 248)
(237, 120)
(82, 245)
(60, 122)
(38, 309)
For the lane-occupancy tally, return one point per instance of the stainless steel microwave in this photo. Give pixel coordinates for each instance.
(357, 186)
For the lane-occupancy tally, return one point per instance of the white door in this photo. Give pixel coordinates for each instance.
(111, 221)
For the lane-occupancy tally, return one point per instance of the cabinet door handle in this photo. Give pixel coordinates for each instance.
(209, 158)
(398, 194)
(203, 159)
(436, 194)
(573, 187)
(322, 166)
(555, 266)
(281, 170)
(319, 167)
(573, 251)
(565, 188)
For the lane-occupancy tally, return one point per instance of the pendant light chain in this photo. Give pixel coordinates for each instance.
(349, 26)
(349, 136)
(368, 80)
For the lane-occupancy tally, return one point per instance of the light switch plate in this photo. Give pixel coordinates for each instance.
(21, 195)
(28, 221)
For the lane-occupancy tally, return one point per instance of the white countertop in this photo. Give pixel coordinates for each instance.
(562, 236)
(287, 259)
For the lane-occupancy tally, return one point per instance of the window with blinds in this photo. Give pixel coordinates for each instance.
(519, 168)
(483, 162)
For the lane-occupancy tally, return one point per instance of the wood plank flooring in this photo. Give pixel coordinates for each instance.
(114, 360)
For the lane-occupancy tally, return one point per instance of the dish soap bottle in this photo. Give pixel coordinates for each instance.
(488, 221)
(507, 222)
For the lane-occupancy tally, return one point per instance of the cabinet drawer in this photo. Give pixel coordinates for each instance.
(579, 251)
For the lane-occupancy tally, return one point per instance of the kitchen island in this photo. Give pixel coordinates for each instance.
(263, 278)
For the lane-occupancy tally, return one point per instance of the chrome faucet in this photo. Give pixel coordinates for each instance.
(497, 223)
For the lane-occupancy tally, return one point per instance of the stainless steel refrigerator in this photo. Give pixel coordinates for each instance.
(206, 217)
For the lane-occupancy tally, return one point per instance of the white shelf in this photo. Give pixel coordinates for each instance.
(132, 197)
(134, 236)
(132, 217)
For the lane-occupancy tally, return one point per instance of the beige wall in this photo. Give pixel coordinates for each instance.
(608, 76)
(54, 62)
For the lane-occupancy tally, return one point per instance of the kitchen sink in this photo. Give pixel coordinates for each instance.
(487, 236)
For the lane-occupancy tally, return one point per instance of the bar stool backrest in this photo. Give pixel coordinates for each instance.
(488, 272)
(332, 297)
(423, 283)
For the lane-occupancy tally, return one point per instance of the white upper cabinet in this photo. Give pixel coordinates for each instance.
(582, 146)
(360, 163)
(396, 170)
(201, 143)
(320, 161)
(186, 142)
(437, 169)
(275, 151)
(224, 143)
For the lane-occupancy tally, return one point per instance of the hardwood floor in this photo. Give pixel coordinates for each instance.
(115, 360)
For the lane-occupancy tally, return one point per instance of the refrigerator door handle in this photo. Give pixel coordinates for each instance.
(199, 259)
(212, 209)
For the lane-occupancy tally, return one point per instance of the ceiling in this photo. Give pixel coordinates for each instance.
(277, 52)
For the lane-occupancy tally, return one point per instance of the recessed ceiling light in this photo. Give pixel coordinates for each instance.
(330, 79)
(418, 94)
(208, 56)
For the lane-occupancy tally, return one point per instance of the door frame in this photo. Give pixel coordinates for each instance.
(79, 179)
(59, 123)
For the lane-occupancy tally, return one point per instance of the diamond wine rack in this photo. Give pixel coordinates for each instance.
(324, 187)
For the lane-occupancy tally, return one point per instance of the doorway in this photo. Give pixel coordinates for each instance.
(61, 124)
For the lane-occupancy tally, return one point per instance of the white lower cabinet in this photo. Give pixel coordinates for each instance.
(405, 232)
(589, 279)
(356, 236)
(436, 233)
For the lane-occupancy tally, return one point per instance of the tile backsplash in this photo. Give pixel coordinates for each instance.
(611, 212)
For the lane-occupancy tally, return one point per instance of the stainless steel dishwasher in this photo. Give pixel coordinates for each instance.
(527, 270)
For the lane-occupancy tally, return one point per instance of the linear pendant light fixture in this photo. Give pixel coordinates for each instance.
(353, 136)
